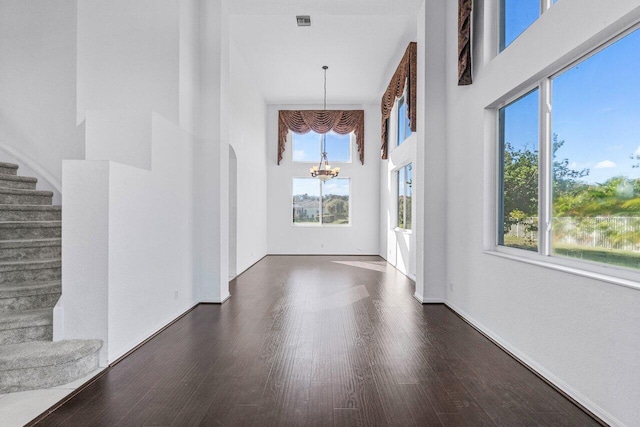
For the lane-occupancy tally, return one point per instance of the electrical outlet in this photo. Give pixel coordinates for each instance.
(175, 294)
(450, 287)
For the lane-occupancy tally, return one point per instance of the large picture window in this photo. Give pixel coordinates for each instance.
(405, 182)
(307, 147)
(573, 191)
(321, 203)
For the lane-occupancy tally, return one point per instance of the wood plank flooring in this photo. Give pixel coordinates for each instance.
(319, 341)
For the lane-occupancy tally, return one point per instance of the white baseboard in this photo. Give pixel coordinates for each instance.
(540, 370)
(423, 300)
(215, 301)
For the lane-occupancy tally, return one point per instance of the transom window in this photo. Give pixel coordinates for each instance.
(573, 190)
(517, 15)
(307, 147)
(321, 203)
(405, 182)
(404, 124)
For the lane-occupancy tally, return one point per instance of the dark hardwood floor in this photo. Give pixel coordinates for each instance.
(319, 341)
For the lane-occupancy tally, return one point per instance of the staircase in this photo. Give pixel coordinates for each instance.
(30, 286)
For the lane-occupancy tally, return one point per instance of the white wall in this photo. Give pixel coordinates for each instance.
(361, 237)
(38, 83)
(127, 243)
(119, 42)
(247, 122)
(164, 249)
(580, 333)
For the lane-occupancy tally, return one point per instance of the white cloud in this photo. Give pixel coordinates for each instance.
(605, 164)
(637, 152)
(298, 155)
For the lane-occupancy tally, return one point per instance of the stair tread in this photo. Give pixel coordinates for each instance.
(8, 165)
(5, 177)
(30, 265)
(30, 207)
(30, 289)
(26, 319)
(30, 243)
(45, 353)
(30, 224)
(20, 192)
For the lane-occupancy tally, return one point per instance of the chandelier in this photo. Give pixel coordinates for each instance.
(323, 171)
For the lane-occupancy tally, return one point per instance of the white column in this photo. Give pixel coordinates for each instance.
(431, 153)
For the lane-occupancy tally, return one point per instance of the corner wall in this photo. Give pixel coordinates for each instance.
(582, 334)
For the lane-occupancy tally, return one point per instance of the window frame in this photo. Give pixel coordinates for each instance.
(320, 223)
(402, 120)
(396, 173)
(313, 162)
(614, 274)
(545, 5)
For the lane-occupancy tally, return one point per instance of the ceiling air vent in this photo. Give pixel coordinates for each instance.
(303, 20)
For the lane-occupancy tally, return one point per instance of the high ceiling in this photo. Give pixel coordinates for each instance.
(360, 40)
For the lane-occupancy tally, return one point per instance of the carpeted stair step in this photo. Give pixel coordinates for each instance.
(14, 230)
(36, 365)
(20, 182)
(29, 296)
(30, 250)
(8, 168)
(24, 326)
(30, 213)
(11, 196)
(15, 272)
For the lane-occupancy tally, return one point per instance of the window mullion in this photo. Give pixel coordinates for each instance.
(544, 6)
(545, 163)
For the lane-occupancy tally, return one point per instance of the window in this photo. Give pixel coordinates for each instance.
(404, 197)
(516, 16)
(318, 203)
(519, 173)
(404, 124)
(307, 147)
(580, 180)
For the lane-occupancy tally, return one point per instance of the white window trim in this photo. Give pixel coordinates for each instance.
(395, 173)
(545, 5)
(617, 275)
(352, 143)
(320, 224)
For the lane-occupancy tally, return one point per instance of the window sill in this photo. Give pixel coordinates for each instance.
(613, 275)
(321, 225)
(403, 230)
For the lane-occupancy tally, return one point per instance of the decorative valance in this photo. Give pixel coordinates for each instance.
(406, 71)
(465, 8)
(321, 121)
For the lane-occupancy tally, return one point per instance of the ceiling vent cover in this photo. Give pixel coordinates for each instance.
(303, 20)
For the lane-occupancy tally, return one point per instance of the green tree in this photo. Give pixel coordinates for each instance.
(520, 180)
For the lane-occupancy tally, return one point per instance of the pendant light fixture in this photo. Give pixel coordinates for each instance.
(323, 171)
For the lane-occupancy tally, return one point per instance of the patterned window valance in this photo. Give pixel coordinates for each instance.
(464, 42)
(406, 71)
(321, 121)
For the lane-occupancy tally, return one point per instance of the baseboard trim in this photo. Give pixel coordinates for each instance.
(586, 405)
(222, 301)
(433, 301)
